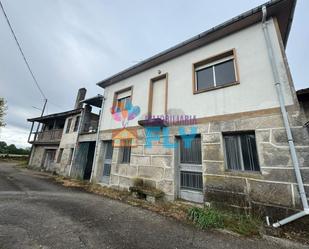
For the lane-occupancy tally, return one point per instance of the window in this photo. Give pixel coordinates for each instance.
(122, 99)
(59, 155)
(241, 152)
(190, 154)
(76, 123)
(125, 151)
(71, 155)
(68, 126)
(191, 180)
(215, 72)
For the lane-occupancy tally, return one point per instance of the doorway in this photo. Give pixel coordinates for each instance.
(82, 167)
(48, 159)
(107, 163)
(190, 174)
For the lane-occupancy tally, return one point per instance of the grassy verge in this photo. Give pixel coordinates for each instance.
(204, 218)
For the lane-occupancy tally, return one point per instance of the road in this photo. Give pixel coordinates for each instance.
(36, 212)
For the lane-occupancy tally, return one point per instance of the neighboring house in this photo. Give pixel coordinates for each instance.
(222, 83)
(66, 141)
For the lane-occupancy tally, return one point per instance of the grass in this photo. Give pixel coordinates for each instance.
(207, 218)
(204, 218)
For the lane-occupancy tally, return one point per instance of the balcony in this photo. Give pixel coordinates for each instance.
(50, 136)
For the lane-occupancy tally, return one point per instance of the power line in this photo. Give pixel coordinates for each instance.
(22, 53)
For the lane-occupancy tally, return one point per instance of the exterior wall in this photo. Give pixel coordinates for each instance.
(273, 187)
(256, 90)
(67, 142)
(37, 155)
(250, 106)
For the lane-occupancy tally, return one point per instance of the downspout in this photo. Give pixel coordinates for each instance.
(97, 142)
(295, 162)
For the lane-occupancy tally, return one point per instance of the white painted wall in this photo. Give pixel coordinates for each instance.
(256, 90)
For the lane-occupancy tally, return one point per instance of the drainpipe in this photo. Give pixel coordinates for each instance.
(295, 162)
(97, 141)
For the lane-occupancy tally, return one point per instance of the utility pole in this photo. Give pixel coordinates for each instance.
(37, 130)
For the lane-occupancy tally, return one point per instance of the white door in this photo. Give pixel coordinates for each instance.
(190, 175)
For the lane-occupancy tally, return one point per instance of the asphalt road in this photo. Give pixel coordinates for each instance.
(36, 212)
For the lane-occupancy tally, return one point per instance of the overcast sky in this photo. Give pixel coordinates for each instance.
(76, 43)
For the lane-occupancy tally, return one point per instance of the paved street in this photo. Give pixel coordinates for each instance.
(35, 212)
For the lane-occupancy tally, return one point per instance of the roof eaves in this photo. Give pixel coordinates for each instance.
(143, 65)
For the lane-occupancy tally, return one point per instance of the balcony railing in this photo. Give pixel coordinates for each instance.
(90, 127)
(48, 136)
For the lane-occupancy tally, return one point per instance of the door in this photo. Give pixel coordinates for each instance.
(49, 159)
(107, 163)
(190, 175)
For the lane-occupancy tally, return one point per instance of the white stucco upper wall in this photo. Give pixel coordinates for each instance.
(256, 90)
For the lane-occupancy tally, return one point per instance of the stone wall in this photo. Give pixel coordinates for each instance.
(36, 156)
(155, 165)
(274, 186)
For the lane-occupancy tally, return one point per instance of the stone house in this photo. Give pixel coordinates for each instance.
(223, 81)
(65, 142)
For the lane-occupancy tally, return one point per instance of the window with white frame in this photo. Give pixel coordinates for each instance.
(215, 72)
(241, 152)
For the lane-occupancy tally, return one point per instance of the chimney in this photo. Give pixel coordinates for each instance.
(81, 94)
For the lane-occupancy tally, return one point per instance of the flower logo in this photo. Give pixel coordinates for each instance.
(124, 111)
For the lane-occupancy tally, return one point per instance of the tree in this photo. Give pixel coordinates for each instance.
(3, 108)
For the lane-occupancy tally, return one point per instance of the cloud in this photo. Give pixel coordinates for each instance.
(14, 135)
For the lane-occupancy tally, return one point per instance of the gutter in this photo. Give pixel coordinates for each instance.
(295, 162)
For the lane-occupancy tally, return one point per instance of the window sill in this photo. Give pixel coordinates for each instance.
(252, 174)
(216, 88)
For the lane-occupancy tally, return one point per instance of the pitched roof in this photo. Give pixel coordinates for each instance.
(61, 115)
(282, 9)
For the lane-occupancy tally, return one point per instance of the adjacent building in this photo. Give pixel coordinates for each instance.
(65, 142)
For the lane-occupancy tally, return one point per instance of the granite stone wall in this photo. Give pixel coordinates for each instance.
(273, 187)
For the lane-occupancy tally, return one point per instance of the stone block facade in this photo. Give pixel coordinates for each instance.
(274, 186)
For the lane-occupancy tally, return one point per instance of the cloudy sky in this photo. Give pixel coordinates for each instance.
(76, 43)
